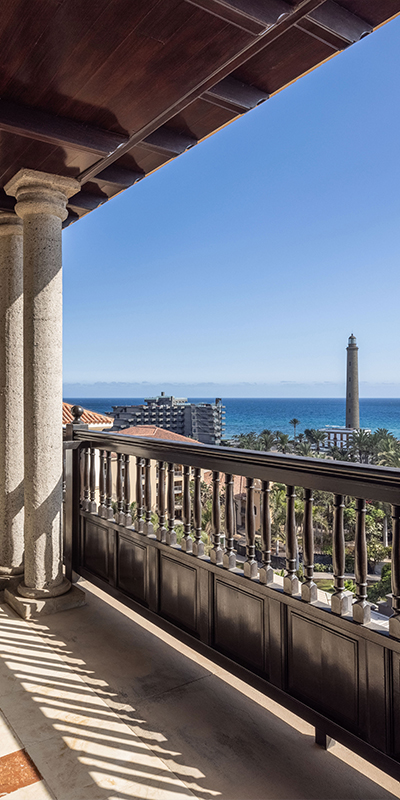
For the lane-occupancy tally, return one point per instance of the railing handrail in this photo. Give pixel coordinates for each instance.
(365, 481)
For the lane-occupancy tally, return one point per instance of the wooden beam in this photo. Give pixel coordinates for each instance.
(44, 127)
(120, 176)
(87, 200)
(72, 217)
(166, 141)
(252, 16)
(249, 50)
(338, 20)
(235, 95)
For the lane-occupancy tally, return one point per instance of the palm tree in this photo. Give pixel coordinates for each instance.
(295, 422)
(282, 442)
(304, 449)
(363, 445)
(266, 440)
(249, 441)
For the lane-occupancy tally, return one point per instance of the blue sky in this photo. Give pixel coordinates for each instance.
(250, 259)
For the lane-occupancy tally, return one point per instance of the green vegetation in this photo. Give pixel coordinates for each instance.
(379, 590)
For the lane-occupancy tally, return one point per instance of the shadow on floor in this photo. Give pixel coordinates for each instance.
(108, 705)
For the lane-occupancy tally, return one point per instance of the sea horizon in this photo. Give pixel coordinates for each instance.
(245, 414)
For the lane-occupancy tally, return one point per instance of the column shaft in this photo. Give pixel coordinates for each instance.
(11, 396)
(41, 203)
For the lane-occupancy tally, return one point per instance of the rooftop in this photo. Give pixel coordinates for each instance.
(88, 417)
(155, 433)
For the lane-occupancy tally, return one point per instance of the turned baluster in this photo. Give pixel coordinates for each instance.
(187, 542)
(341, 600)
(161, 530)
(229, 558)
(92, 504)
(148, 526)
(109, 509)
(361, 607)
(250, 565)
(102, 484)
(309, 591)
(291, 581)
(127, 493)
(139, 495)
(119, 514)
(86, 478)
(171, 533)
(266, 571)
(394, 621)
(216, 552)
(198, 545)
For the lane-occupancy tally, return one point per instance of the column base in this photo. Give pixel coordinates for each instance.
(216, 555)
(309, 591)
(250, 569)
(42, 594)
(31, 608)
(341, 603)
(266, 575)
(291, 584)
(362, 612)
(229, 560)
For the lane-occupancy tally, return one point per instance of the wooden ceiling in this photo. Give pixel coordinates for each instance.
(107, 91)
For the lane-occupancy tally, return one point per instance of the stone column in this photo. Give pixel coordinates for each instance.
(41, 204)
(11, 398)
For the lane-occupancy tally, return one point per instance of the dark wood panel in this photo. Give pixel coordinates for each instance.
(378, 682)
(178, 592)
(323, 668)
(132, 566)
(95, 548)
(239, 624)
(284, 60)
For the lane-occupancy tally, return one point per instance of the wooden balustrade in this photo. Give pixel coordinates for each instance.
(266, 571)
(148, 525)
(198, 544)
(327, 653)
(171, 533)
(139, 495)
(161, 530)
(229, 557)
(101, 454)
(309, 590)
(187, 542)
(291, 581)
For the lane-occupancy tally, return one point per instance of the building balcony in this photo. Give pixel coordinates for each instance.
(329, 660)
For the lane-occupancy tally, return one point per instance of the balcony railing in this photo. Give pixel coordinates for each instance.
(331, 662)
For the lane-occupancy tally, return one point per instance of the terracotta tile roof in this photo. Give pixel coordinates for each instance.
(88, 417)
(156, 433)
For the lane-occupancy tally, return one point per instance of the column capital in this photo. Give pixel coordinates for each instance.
(10, 223)
(41, 193)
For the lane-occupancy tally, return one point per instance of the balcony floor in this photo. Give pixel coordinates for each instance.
(110, 706)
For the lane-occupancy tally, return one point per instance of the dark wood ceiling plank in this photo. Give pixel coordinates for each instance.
(336, 19)
(120, 176)
(87, 200)
(166, 141)
(253, 16)
(36, 124)
(220, 71)
(236, 95)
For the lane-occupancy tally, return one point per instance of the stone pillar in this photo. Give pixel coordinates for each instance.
(41, 204)
(11, 398)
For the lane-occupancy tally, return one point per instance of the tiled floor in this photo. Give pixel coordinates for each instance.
(109, 707)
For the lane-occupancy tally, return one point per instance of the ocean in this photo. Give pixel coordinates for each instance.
(254, 414)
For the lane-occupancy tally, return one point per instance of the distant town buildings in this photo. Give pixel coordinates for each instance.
(203, 422)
